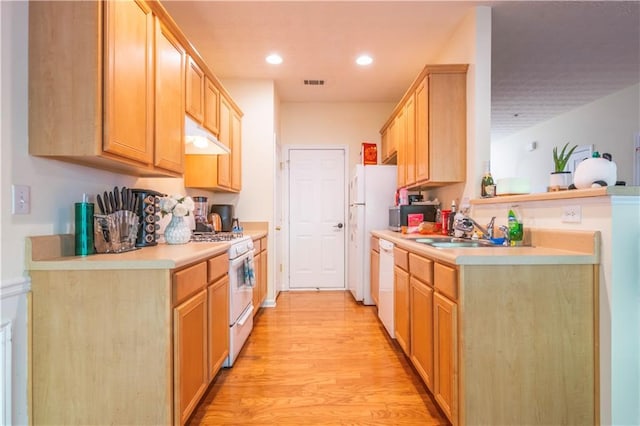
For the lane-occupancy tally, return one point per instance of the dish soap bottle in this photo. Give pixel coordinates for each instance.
(515, 228)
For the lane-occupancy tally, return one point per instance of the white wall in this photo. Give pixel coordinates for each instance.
(471, 44)
(55, 186)
(334, 124)
(609, 124)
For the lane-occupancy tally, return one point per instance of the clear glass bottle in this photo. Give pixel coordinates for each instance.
(487, 187)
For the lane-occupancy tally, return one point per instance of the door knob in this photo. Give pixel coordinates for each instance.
(339, 226)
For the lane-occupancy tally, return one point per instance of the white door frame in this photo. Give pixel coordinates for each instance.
(286, 283)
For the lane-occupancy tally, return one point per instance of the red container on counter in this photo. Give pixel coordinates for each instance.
(444, 219)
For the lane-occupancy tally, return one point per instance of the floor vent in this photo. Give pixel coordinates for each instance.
(314, 82)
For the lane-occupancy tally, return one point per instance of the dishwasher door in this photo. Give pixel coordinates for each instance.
(385, 303)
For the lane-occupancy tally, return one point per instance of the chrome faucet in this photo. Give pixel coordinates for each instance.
(505, 231)
(466, 224)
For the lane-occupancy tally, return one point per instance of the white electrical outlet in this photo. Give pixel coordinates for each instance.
(21, 199)
(572, 214)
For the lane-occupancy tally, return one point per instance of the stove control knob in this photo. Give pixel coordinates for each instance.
(250, 245)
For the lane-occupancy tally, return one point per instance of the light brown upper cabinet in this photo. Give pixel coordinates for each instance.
(431, 144)
(107, 86)
(95, 107)
(128, 80)
(195, 91)
(220, 173)
(169, 106)
(211, 107)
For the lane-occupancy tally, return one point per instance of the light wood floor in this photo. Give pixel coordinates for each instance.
(318, 358)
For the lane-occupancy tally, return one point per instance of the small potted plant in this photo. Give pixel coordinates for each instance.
(561, 178)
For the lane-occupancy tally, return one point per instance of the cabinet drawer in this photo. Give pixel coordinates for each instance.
(401, 258)
(445, 279)
(217, 267)
(375, 244)
(188, 281)
(421, 268)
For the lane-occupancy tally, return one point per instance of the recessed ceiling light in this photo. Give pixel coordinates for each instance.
(274, 59)
(364, 60)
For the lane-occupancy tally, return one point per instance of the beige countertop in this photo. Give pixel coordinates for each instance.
(548, 248)
(52, 252)
(607, 191)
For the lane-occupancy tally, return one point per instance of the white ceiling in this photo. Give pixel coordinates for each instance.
(547, 57)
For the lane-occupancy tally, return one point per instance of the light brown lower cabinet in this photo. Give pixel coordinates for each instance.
(508, 344)
(190, 354)
(375, 275)
(445, 356)
(218, 299)
(147, 342)
(260, 268)
(401, 306)
(422, 330)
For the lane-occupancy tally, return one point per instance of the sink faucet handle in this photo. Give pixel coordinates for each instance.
(490, 227)
(505, 232)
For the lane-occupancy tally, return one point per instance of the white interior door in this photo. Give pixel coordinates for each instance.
(316, 218)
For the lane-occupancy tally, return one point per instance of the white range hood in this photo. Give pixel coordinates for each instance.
(200, 141)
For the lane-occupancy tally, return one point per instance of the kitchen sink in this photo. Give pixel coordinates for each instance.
(436, 240)
(462, 244)
(453, 242)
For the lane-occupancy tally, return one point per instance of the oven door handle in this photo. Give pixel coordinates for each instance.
(247, 313)
(239, 260)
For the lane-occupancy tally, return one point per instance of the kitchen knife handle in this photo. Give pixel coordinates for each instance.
(107, 205)
(100, 205)
(112, 201)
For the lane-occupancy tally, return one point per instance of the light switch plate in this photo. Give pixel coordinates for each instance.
(20, 199)
(572, 214)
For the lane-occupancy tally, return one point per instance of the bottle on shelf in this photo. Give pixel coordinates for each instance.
(487, 187)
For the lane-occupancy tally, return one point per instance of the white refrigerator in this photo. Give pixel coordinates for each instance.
(371, 193)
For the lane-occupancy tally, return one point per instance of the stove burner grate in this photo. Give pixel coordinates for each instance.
(209, 237)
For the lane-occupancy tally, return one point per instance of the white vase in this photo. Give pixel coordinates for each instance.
(559, 180)
(177, 231)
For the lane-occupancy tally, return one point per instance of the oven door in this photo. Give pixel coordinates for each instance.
(241, 282)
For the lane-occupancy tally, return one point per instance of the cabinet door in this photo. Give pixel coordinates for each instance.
(263, 276)
(257, 296)
(195, 91)
(422, 131)
(410, 141)
(384, 145)
(236, 151)
(169, 101)
(224, 161)
(422, 330)
(218, 302)
(211, 106)
(401, 308)
(445, 338)
(375, 276)
(128, 80)
(447, 127)
(189, 355)
(400, 132)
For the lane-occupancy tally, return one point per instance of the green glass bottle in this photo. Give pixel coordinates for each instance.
(487, 187)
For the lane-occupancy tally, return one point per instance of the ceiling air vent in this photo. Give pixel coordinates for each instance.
(314, 82)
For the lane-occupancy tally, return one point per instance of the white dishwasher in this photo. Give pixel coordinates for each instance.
(385, 302)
